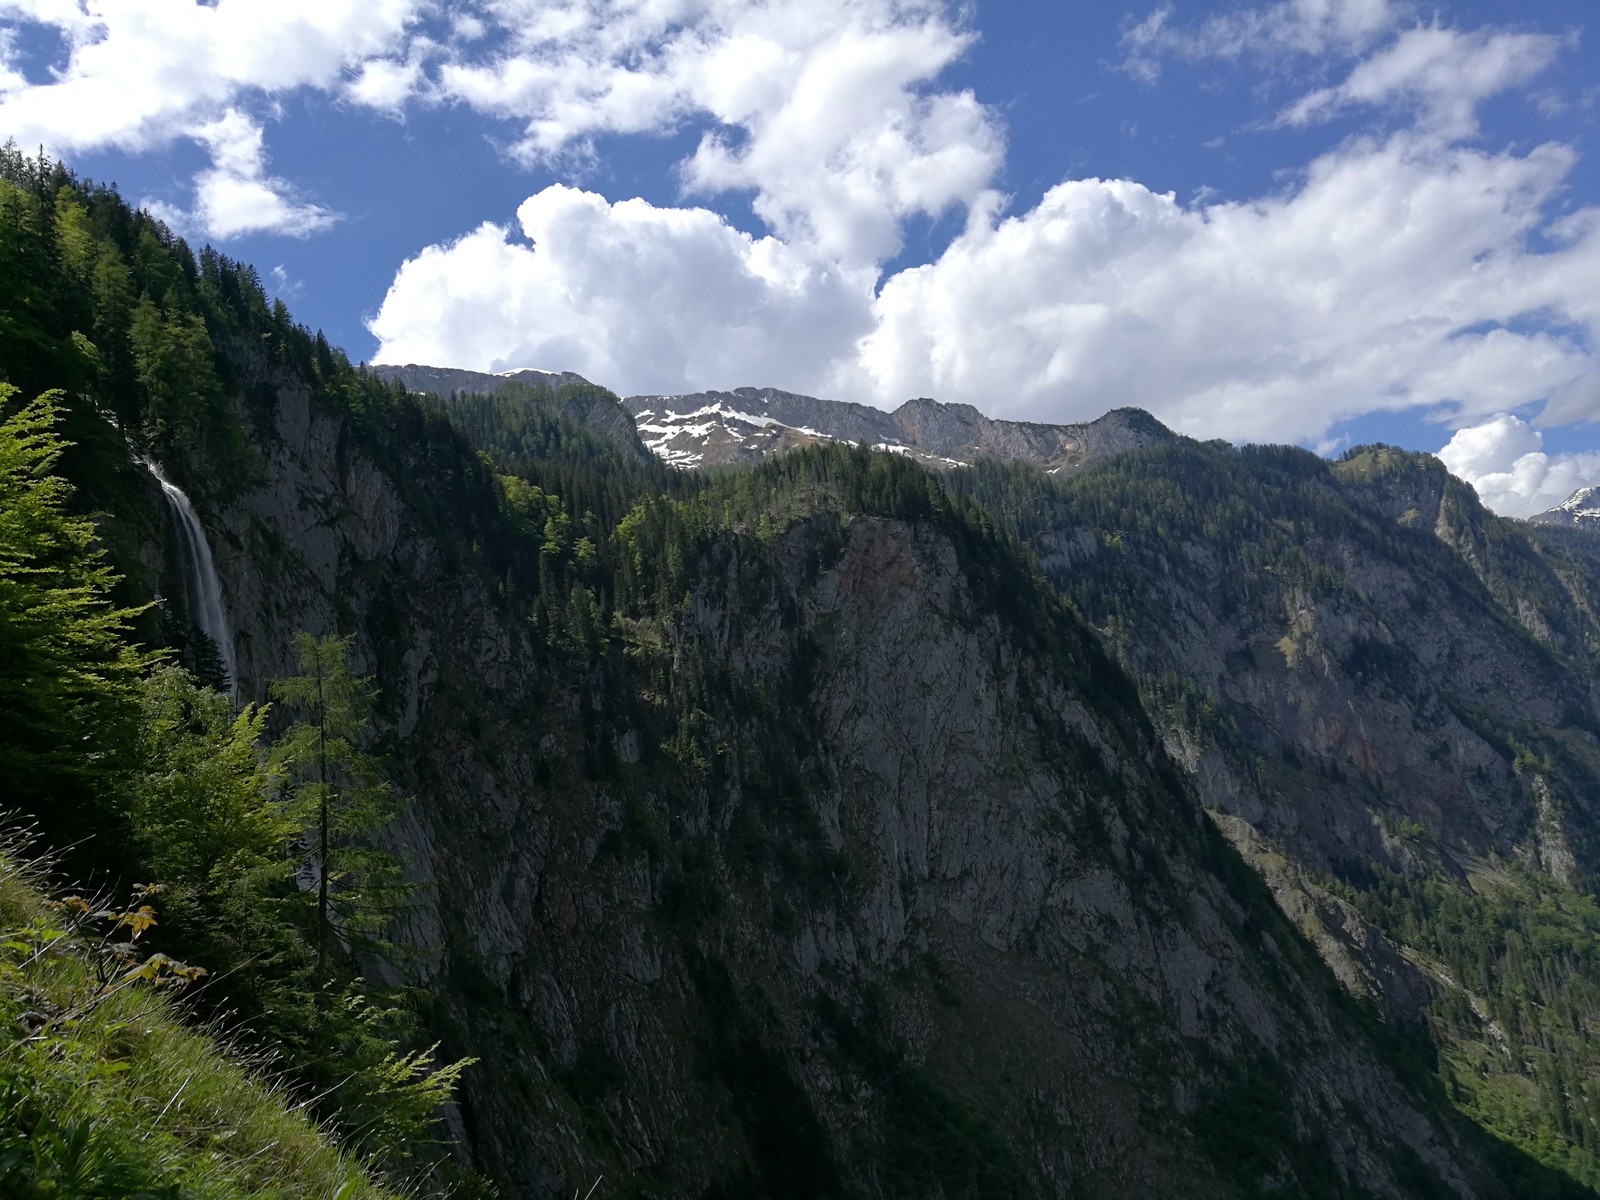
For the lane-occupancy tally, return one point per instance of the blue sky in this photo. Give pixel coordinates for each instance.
(1317, 221)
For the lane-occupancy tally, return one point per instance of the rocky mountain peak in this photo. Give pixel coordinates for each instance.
(747, 424)
(1580, 510)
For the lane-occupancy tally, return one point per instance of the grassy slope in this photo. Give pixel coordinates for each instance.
(104, 1092)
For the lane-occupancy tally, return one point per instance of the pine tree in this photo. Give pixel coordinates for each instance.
(340, 796)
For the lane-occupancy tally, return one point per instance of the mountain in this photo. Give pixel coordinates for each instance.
(840, 859)
(1580, 510)
(444, 380)
(560, 392)
(705, 429)
(1191, 821)
(1385, 697)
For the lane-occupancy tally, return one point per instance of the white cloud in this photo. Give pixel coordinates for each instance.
(283, 287)
(1578, 400)
(633, 296)
(1444, 73)
(1399, 275)
(142, 74)
(1291, 27)
(386, 84)
(10, 78)
(1503, 459)
(1387, 280)
(825, 109)
(235, 195)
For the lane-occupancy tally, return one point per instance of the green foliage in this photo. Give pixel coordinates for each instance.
(103, 1091)
(1518, 1006)
(67, 672)
(204, 803)
(338, 795)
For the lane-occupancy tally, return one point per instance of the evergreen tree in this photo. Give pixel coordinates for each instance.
(67, 672)
(205, 805)
(339, 795)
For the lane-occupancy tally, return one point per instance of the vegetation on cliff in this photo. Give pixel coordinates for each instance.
(131, 770)
(704, 785)
(1313, 579)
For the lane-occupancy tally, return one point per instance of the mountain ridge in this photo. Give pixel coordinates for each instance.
(1194, 820)
(716, 428)
(747, 424)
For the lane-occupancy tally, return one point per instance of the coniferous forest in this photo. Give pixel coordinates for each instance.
(1207, 821)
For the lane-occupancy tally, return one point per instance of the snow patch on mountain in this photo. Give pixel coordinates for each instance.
(1580, 510)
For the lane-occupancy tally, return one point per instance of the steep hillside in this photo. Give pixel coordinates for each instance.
(774, 831)
(838, 843)
(1385, 695)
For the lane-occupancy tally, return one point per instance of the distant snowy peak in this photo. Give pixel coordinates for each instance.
(1581, 509)
(704, 429)
(719, 432)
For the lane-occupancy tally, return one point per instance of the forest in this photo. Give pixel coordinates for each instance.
(202, 989)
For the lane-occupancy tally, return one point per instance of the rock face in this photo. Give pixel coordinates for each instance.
(853, 881)
(1362, 644)
(747, 424)
(1385, 696)
(1580, 510)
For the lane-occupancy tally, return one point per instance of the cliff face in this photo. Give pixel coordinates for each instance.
(1385, 696)
(854, 877)
(1374, 657)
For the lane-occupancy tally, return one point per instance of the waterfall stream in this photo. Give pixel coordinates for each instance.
(202, 594)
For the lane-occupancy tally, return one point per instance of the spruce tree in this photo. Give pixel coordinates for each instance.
(340, 796)
(68, 675)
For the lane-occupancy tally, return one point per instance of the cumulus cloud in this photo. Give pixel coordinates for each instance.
(825, 110)
(1396, 276)
(1392, 278)
(235, 195)
(634, 296)
(386, 84)
(141, 74)
(1503, 459)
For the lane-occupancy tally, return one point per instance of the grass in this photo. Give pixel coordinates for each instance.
(106, 1093)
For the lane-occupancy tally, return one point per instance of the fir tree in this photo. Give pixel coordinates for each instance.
(340, 796)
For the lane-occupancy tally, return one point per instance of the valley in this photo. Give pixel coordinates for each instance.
(796, 798)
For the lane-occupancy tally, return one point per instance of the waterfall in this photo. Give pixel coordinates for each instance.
(202, 594)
